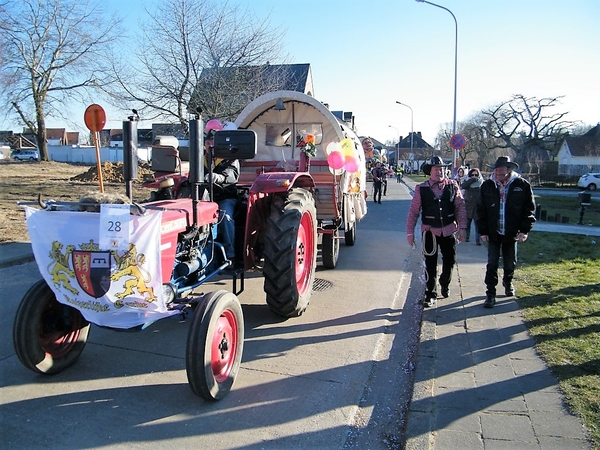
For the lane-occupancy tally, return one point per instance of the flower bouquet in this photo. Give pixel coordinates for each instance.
(307, 145)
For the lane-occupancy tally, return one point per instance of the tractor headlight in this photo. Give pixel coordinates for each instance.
(169, 293)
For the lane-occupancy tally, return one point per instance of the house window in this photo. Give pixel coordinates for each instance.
(280, 134)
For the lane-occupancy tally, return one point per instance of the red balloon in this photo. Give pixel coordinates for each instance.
(335, 160)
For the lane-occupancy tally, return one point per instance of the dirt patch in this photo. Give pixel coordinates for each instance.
(23, 181)
(111, 173)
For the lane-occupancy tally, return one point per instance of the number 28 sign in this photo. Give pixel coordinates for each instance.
(114, 227)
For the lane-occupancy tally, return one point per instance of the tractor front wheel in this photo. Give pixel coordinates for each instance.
(291, 254)
(330, 249)
(48, 336)
(214, 346)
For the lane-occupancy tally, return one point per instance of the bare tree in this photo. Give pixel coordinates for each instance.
(198, 56)
(528, 126)
(52, 52)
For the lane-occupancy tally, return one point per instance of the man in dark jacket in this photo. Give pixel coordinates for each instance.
(505, 215)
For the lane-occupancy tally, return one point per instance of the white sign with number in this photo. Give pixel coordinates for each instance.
(114, 227)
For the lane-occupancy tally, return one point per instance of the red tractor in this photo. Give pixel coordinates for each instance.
(168, 250)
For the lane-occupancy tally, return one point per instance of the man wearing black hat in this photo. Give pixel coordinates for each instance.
(443, 214)
(505, 214)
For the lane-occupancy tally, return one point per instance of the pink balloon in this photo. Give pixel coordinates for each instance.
(351, 164)
(213, 124)
(335, 160)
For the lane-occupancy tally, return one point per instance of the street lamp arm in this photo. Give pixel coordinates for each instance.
(403, 104)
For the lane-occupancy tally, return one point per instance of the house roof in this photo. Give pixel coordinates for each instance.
(56, 133)
(287, 77)
(418, 141)
(587, 144)
(72, 137)
(296, 79)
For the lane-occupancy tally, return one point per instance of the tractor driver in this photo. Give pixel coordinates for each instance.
(225, 175)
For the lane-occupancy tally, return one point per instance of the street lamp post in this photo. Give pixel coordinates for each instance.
(412, 131)
(456, 155)
(397, 145)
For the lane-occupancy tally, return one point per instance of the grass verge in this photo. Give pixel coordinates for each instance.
(558, 283)
(559, 207)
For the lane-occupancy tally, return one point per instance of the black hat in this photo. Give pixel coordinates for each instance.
(434, 161)
(504, 161)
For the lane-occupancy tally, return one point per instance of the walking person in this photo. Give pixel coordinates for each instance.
(442, 208)
(378, 175)
(460, 175)
(399, 173)
(471, 190)
(505, 216)
(386, 171)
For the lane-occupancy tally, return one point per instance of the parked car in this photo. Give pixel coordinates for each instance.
(26, 155)
(589, 181)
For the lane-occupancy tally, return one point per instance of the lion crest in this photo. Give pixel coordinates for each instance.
(130, 265)
(59, 266)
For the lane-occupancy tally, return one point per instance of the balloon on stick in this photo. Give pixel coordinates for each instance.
(335, 160)
(347, 147)
(351, 164)
(332, 147)
(213, 124)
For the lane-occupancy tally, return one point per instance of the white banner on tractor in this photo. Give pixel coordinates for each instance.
(119, 288)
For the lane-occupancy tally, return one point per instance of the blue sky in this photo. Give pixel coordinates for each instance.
(366, 55)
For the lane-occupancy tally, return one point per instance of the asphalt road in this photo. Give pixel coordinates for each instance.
(338, 377)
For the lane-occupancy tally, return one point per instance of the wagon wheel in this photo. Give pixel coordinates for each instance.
(291, 255)
(214, 345)
(330, 249)
(48, 336)
(350, 235)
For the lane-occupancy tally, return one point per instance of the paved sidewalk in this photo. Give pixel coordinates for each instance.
(479, 383)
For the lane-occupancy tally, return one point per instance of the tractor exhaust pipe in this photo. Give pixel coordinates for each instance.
(196, 175)
(130, 163)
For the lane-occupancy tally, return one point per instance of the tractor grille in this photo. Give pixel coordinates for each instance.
(321, 285)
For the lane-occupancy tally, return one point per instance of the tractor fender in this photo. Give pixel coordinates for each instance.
(271, 182)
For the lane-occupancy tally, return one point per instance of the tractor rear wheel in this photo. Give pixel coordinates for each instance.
(214, 346)
(291, 255)
(48, 336)
(330, 249)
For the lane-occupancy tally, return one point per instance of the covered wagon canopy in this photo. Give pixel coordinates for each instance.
(282, 119)
(278, 116)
